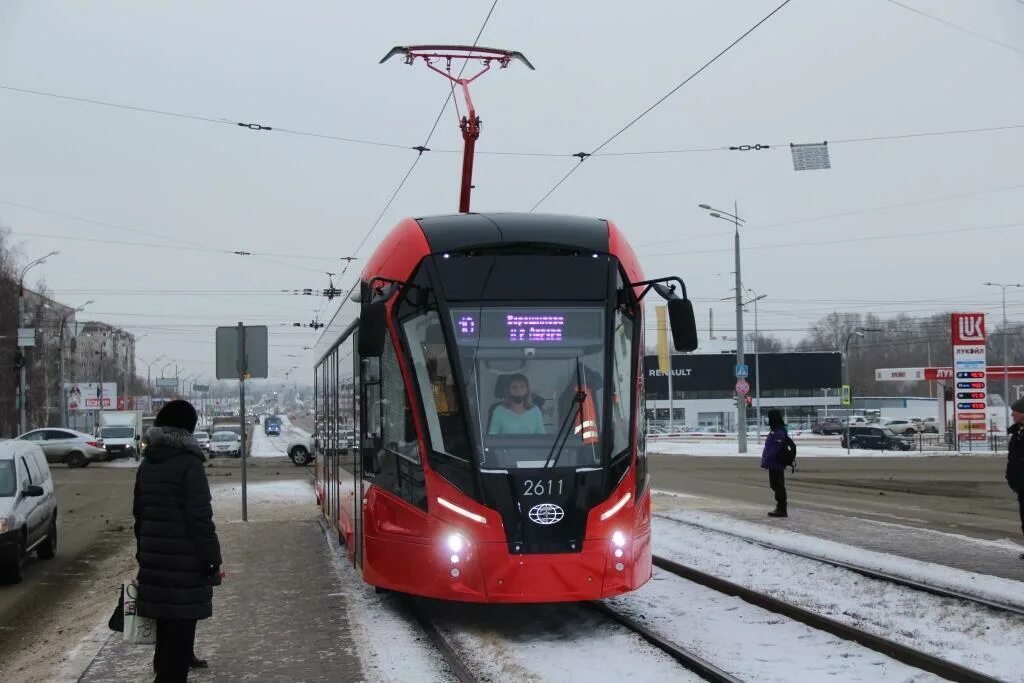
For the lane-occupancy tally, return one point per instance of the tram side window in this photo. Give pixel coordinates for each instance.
(437, 385)
(622, 384)
(398, 462)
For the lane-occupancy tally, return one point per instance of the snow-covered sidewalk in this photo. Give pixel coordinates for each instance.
(729, 447)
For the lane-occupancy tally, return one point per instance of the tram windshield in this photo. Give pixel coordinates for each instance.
(534, 383)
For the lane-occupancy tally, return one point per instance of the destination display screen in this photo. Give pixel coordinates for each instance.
(527, 327)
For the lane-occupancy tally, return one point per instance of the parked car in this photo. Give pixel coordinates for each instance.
(28, 507)
(225, 443)
(857, 420)
(75, 449)
(930, 425)
(203, 438)
(830, 425)
(876, 437)
(900, 425)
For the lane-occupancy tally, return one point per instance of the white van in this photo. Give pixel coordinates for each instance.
(28, 507)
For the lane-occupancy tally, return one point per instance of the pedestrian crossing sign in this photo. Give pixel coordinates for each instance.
(845, 395)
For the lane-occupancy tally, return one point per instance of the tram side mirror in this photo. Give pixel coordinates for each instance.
(372, 329)
(683, 323)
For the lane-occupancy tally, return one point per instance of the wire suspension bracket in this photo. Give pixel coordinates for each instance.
(433, 56)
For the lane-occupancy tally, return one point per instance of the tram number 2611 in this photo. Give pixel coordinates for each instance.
(543, 487)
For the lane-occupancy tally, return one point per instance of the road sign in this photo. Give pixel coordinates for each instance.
(167, 382)
(201, 388)
(228, 346)
(743, 371)
(26, 337)
(845, 395)
(742, 387)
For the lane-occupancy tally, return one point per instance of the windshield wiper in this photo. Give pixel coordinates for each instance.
(563, 431)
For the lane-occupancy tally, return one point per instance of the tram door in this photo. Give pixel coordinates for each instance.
(369, 444)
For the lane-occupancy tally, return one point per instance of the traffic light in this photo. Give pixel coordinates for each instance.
(750, 401)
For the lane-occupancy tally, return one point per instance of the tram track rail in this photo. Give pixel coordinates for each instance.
(686, 658)
(861, 570)
(448, 652)
(890, 648)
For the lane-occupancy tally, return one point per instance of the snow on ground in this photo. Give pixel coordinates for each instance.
(752, 643)
(977, 637)
(993, 588)
(265, 500)
(391, 647)
(555, 642)
(729, 447)
(264, 446)
(130, 463)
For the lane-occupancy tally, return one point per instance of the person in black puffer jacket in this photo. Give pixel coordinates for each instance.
(178, 550)
(1015, 457)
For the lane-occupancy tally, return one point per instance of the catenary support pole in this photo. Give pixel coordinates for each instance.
(242, 370)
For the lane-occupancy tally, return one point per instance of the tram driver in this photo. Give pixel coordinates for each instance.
(517, 413)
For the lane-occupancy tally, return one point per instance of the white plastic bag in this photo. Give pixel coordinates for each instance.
(137, 630)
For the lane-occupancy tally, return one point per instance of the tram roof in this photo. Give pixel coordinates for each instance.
(467, 230)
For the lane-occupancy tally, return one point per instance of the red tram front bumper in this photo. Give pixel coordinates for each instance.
(409, 552)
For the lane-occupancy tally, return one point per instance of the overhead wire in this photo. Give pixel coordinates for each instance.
(842, 214)
(651, 108)
(205, 119)
(950, 24)
(843, 240)
(196, 246)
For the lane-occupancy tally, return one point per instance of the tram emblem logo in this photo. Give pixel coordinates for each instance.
(546, 514)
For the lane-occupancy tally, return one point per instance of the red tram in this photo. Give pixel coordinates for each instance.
(492, 379)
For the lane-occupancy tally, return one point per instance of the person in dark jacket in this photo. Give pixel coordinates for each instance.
(178, 550)
(1015, 457)
(771, 460)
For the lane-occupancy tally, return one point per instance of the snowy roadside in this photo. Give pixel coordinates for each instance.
(730, 448)
(977, 637)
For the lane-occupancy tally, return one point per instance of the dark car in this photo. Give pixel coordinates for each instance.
(830, 425)
(876, 437)
(272, 426)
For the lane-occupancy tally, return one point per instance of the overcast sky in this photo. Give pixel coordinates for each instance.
(818, 70)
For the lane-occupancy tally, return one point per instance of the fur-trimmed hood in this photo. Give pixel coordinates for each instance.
(165, 442)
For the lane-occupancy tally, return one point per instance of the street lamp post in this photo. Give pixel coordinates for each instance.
(1006, 354)
(757, 361)
(60, 362)
(741, 403)
(22, 396)
(149, 375)
(858, 332)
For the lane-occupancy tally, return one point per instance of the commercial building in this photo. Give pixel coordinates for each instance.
(801, 385)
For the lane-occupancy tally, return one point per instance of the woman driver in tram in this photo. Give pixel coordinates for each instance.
(517, 414)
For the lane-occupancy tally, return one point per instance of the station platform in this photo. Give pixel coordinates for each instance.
(279, 615)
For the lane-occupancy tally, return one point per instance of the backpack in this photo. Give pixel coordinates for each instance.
(787, 456)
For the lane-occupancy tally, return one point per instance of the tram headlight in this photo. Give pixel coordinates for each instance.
(619, 539)
(456, 543)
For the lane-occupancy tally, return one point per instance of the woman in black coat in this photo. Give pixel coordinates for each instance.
(178, 551)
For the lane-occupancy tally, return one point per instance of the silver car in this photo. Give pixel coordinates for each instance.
(76, 449)
(203, 439)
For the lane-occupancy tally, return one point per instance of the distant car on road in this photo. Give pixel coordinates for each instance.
(830, 425)
(203, 439)
(75, 449)
(225, 443)
(900, 425)
(876, 437)
(28, 507)
(272, 426)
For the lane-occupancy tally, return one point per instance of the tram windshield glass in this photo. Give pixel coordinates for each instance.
(533, 379)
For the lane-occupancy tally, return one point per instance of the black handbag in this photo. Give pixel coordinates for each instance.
(116, 622)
